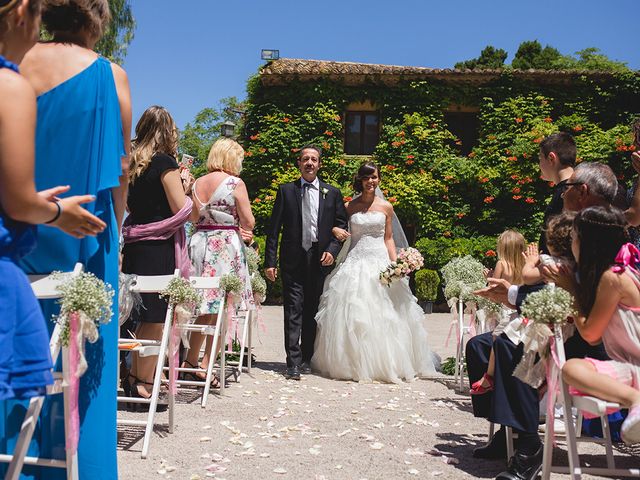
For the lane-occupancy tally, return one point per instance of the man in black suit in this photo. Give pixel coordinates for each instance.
(306, 210)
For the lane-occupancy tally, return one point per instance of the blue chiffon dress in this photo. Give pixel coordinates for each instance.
(25, 361)
(79, 142)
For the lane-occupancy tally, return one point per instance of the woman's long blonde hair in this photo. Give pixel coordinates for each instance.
(156, 132)
(511, 246)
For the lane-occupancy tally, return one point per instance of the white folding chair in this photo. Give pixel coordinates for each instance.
(245, 323)
(592, 405)
(45, 288)
(462, 331)
(147, 348)
(218, 331)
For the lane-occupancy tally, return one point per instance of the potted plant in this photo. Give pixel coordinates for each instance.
(427, 283)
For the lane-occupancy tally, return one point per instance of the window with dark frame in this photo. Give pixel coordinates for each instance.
(465, 126)
(361, 132)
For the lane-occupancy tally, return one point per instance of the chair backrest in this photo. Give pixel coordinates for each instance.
(205, 283)
(44, 287)
(153, 283)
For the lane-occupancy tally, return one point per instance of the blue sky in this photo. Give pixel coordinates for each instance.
(188, 54)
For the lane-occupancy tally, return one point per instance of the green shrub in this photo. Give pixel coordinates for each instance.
(437, 252)
(274, 289)
(427, 283)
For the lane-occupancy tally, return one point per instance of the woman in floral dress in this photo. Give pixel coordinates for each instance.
(222, 212)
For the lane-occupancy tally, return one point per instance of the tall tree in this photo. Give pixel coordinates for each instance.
(590, 59)
(490, 58)
(197, 137)
(530, 54)
(116, 39)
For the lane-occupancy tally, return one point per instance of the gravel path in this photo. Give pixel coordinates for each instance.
(266, 427)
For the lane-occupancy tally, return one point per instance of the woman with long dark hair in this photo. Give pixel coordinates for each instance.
(608, 300)
(368, 331)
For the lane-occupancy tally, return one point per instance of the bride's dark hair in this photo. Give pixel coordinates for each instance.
(365, 170)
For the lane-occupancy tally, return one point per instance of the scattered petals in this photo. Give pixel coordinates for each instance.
(377, 445)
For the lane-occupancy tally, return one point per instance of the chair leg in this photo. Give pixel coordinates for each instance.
(606, 435)
(243, 340)
(509, 440)
(223, 351)
(172, 374)
(24, 439)
(156, 382)
(249, 342)
(572, 446)
(212, 357)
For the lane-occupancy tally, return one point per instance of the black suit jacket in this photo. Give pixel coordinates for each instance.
(287, 215)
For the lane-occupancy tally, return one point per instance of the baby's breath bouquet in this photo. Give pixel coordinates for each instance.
(231, 284)
(409, 260)
(463, 275)
(181, 292)
(258, 287)
(253, 260)
(87, 296)
(543, 310)
(550, 305)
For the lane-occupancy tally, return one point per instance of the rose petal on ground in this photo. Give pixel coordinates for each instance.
(265, 455)
(314, 451)
(206, 427)
(280, 470)
(344, 432)
(205, 439)
(377, 445)
(413, 471)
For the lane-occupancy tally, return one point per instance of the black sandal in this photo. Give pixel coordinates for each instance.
(131, 390)
(193, 376)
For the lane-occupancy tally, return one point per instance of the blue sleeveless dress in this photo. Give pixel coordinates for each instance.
(79, 142)
(25, 361)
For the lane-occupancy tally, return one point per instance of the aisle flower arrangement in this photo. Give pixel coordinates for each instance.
(462, 276)
(85, 305)
(543, 311)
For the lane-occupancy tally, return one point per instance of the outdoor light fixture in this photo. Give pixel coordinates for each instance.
(228, 129)
(270, 54)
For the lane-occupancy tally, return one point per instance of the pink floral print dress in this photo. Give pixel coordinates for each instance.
(216, 247)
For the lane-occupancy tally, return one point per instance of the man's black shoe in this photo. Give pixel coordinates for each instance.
(293, 373)
(522, 467)
(305, 368)
(496, 449)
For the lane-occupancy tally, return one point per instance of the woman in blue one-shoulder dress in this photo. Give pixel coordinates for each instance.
(25, 361)
(82, 136)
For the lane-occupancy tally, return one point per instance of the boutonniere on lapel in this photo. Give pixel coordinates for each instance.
(324, 191)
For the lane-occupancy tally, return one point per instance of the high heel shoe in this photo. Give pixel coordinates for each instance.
(477, 388)
(194, 377)
(134, 392)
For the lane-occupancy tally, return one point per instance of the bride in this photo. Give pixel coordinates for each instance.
(366, 330)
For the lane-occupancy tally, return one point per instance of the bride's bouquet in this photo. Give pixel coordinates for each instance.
(409, 260)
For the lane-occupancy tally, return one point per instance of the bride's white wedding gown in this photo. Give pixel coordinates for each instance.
(366, 330)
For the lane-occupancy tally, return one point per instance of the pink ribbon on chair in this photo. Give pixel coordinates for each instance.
(628, 256)
(73, 433)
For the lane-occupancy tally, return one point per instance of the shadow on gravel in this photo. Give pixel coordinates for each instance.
(128, 436)
(460, 447)
(278, 367)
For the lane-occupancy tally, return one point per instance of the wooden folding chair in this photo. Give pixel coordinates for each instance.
(218, 331)
(45, 288)
(145, 348)
(593, 405)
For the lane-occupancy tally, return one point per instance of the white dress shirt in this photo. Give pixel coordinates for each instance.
(314, 198)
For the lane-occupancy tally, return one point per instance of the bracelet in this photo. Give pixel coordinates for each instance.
(58, 213)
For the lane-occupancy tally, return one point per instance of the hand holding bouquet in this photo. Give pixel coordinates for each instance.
(409, 260)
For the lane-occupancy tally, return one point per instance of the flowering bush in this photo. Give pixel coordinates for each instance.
(409, 260)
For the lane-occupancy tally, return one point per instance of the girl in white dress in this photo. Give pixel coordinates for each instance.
(366, 330)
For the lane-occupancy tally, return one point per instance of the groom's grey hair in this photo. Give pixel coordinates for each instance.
(599, 178)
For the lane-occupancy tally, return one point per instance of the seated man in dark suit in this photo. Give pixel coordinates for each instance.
(512, 402)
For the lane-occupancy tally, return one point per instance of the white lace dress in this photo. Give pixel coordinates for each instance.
(366, 330)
